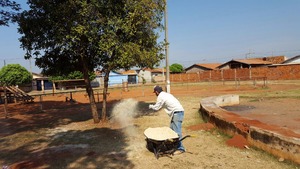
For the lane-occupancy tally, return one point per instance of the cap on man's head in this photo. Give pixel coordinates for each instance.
(157, 89)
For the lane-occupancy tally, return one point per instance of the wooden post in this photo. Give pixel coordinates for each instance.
(265, 82)
(250, 73)
(41, 102)
(15, 97)
(188, 80)
(235, 78)
(143, 89)
(235, 74)
(222, 76)
(53, 88)
(121, 92)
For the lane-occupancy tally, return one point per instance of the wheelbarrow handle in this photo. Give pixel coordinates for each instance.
(185, 137)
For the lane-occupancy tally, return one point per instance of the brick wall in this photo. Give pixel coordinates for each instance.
(280, 72)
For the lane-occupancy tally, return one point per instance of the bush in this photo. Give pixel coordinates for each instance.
(176, 68)
(15, 74)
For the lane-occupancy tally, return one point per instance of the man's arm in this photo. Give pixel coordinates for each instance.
(158, 105)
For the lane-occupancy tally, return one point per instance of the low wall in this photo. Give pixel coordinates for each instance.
(280, 142)
(274, 72)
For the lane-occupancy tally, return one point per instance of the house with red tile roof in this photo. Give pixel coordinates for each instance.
(292, 60)
(202, 67)
(252, 62)
(244, 63)
(273, 59)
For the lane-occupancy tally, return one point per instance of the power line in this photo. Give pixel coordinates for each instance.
(12, 59)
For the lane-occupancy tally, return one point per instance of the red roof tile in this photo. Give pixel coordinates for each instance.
(129, 72)
(209, 65)
(252, 61)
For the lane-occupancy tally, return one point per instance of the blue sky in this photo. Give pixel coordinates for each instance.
(209, 31)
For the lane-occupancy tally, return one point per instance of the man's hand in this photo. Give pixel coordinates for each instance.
(150, 106)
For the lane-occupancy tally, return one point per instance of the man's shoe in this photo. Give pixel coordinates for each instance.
(177, 152)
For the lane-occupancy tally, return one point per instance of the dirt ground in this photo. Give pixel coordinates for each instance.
(282, 112)
(63, 134)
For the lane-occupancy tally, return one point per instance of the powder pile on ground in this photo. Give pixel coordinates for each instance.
(160, 133)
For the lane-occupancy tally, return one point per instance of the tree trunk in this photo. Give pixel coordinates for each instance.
(106, 78)
(90, 92)
(5, 102)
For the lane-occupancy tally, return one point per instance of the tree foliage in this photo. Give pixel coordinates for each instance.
(73, 75)
(8, 11)
(49, 35)
(14, 74)
(176, 68)
(129, 37)
(108, 34)
(80, 35)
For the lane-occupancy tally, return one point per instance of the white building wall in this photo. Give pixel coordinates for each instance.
(146, 75)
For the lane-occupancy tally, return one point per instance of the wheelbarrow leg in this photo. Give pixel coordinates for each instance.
(155, 150)
(158, 149)
(156, 153)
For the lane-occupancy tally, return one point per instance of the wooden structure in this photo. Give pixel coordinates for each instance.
(14, 94)
(68, 84)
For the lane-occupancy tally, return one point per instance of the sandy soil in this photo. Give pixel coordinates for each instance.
(63, 135)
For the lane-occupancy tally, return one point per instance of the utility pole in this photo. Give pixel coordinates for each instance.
(31, 74)
(30, 66)
(167, 49)
(248, 55)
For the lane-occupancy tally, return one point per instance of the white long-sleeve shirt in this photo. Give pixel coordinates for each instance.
(170, 103)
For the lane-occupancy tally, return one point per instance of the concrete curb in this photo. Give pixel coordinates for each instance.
(280, 142)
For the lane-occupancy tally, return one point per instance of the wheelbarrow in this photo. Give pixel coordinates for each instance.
(162, 140)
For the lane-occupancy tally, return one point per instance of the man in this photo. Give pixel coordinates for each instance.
(174, 109)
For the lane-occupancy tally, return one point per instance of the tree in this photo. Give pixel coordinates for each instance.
(62, 39)
(65, 36)
(176, 68)
(8, 11)
(129, 37)
(14, 74)
(11, 75)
